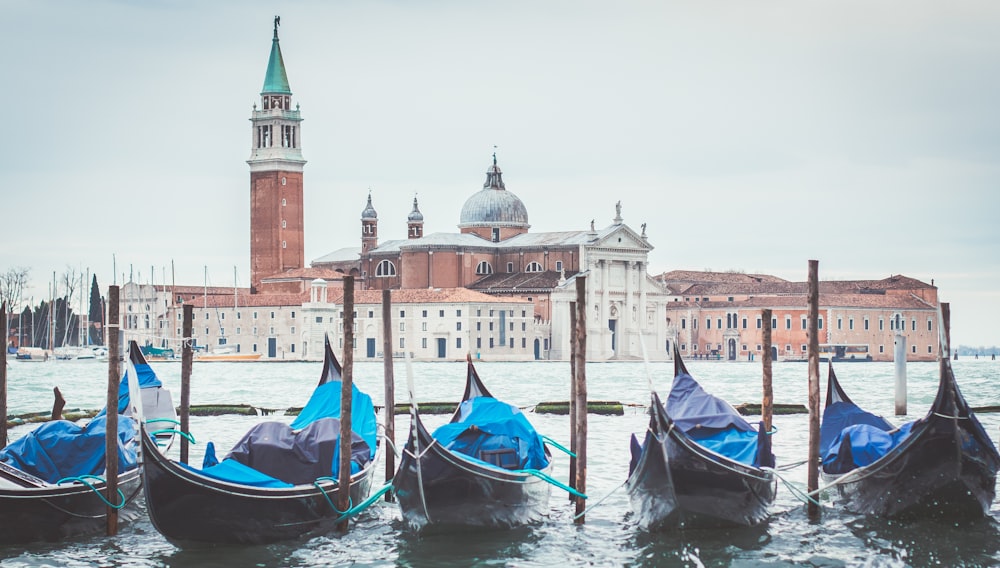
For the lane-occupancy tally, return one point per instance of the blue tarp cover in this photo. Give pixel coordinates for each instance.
(689, 406)
(736, 445)
(325, 403)
(840, 415)
(711, 421)
(234, 472)
(485, 425)
(60, 449)
(870, 437)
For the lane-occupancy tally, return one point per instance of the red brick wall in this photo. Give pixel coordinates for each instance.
(267, 255)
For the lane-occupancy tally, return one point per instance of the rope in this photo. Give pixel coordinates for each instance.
(588, 509)
(939, 415)
(83, 479)
(552, 442)
(392, 446)
(366, 503)
(796, 492)
(187, 435)
(789, 466)
(170, 420)
(327, 497)
(549, 479)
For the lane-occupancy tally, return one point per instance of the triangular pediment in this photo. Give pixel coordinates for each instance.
(621, 237)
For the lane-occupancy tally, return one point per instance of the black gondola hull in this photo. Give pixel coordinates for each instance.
(56, 513)
(941, 470)
(190, 508)
(677, 483)
(458, 492)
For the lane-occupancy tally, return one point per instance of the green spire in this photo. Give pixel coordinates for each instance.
(276, 80)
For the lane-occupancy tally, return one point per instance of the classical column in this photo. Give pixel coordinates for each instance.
(630, 324)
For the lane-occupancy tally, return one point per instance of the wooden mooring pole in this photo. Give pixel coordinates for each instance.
(813, 301)
(347, 379)
(580, 336)
(572, 397)
(767, 402)
(390, 389)
(899, 366)
(111, 416)
(187, 360)
(3, 378)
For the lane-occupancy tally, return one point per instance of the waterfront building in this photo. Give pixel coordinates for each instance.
(718, 316)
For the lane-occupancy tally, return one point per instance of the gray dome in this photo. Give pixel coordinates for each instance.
(494, 206)
(369, 212)
(415, 215)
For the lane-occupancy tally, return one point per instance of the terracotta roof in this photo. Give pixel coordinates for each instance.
(695, 276)
(782, 287)
(871, 301)
(505, 282)
(427, 296)
(250, 300)
(307, 273)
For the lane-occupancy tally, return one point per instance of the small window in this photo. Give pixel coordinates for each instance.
(881, 348)
(284, 244)
(284, 224)
(930, 349)
(744, 323)
(319, 319)
(458, 343)
(804, 348)
(496, 237)
(423, 342)
(458, 313)
(458, 326)
(510, 267)
(760, 325)
(914, 349)
(559, 265)
(402, 326)
(440, 313)
(283, 203)
(423, 313)
(402, 343)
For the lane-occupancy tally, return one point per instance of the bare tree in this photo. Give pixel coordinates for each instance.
(12, 286)
(69, 282)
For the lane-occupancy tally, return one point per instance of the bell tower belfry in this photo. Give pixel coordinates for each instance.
(277, 242)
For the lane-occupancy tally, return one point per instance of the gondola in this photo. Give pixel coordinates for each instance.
(276, 484)
(52, 480)
(486, 468)
(943, 465)
(701, 464)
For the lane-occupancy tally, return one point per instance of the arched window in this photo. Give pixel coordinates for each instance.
(385, 268)
(484, 268)
(533, 267)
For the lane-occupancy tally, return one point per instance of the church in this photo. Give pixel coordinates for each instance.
(493, 253)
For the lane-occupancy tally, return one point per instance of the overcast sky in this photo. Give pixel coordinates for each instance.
(749, 136)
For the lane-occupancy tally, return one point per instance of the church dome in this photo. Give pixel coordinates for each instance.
(369, 213)
(494, 206)
(415, 215)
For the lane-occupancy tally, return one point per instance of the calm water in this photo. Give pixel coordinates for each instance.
(609, 537)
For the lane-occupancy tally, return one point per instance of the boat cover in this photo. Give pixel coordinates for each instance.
(711, 422)
(298, 457)
(235, 472)
(325, 403)
(487, 429)
(60, 449)
(690, 407)
(147, 380)
(861, 443)
(840, 415)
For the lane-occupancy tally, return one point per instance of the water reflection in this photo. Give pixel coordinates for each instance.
(932, 543)
(698, 547)
(466, 548)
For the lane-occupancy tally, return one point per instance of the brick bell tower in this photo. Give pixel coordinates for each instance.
(277, 230)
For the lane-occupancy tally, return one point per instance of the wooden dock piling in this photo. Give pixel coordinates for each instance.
(390, 389)
(3, 377)
(572, 397)
(813, 301)
(347, 379)
(580, 380)
(111, 416)
(187, 360)
(767, 402)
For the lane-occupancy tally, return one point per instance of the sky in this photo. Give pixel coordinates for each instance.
(748, 136)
